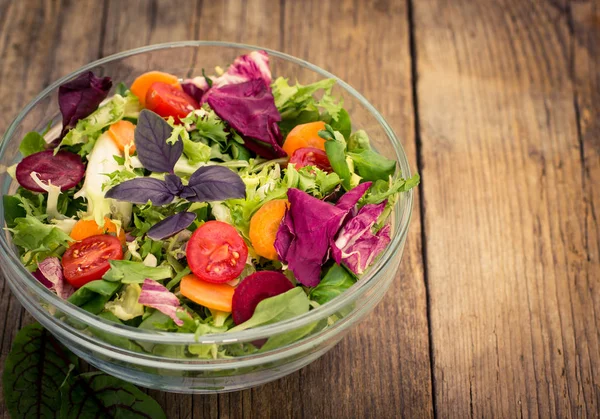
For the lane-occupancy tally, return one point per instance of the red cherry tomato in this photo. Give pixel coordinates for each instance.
(167, 100)
(216, 252)
(87, 260)
(310, 156)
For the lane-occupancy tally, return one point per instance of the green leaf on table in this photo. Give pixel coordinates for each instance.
(32, 143)
(274, 309)
(33, 373)
(94, 295)
(336, 281)
(130, 272)
(95, 394)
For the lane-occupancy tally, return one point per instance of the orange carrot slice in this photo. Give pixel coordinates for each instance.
(141, 85)
(208, 294)
(264, 225)
(122, 133)
(304, 135)
(88, 228)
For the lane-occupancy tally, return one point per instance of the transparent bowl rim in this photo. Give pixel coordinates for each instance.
(402, 213)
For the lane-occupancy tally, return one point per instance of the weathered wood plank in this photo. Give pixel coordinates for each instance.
(585, 22)
(512, 301)
(382, 368)
(38, 44)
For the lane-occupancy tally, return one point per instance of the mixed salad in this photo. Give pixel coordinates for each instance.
(202, 205)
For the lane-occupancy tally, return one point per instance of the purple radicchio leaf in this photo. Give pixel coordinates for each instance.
(304, 236)
(80, 97)
(141, 190)
(254, 65)
(356, 246)
(50, 274)
(249, 108)
(195, 88)
(171, 225)
(213, 183)
(157, 296)
(151, 134)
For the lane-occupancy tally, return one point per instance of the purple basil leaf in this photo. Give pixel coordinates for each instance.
(174, 184)
(151, 135)
(214, 183)
(171, 225)
(80, 97)
(250, 109)
(141, 190)
(192, 89)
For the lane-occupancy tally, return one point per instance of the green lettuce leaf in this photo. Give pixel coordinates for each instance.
(126, 306)
(90, 127)
(336, 281)
(37, 240)
(370, 165)
(94, 295)
(274, 309)
(129, 272)
(32, 143)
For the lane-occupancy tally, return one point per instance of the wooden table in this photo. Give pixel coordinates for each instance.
(496, 310)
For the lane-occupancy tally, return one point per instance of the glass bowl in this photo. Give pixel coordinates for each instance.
(170, 361)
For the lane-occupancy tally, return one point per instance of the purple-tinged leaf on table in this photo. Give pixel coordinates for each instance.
(157, 296)
(171, 225)
(355, 245)
(50, 274)
(308, 227)
(214, 183)
(141, 190)
(151, 134)
(250, 109)
(80, 97)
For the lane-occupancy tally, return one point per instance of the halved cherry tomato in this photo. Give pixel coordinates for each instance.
(87, 260)
(264, 225)
(87, 228)
(140, 86)
(304, 135)
(216, 252)
(167, 100)
(215, 296)
(310, 156)
(123, 134)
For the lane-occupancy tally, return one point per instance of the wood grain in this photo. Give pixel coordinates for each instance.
(513, 303)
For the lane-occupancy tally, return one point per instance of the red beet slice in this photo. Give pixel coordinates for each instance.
(64, 169)
(254, 289)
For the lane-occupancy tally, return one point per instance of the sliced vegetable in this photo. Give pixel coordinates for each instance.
(305, 135)
(141, 85)
(87, 260)
(264, 225)
(64, 170)
(87, 228)
(167, 100)
(214, 296)
(310, 156)
(255, 288)
(122, 133)
(216, 252)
